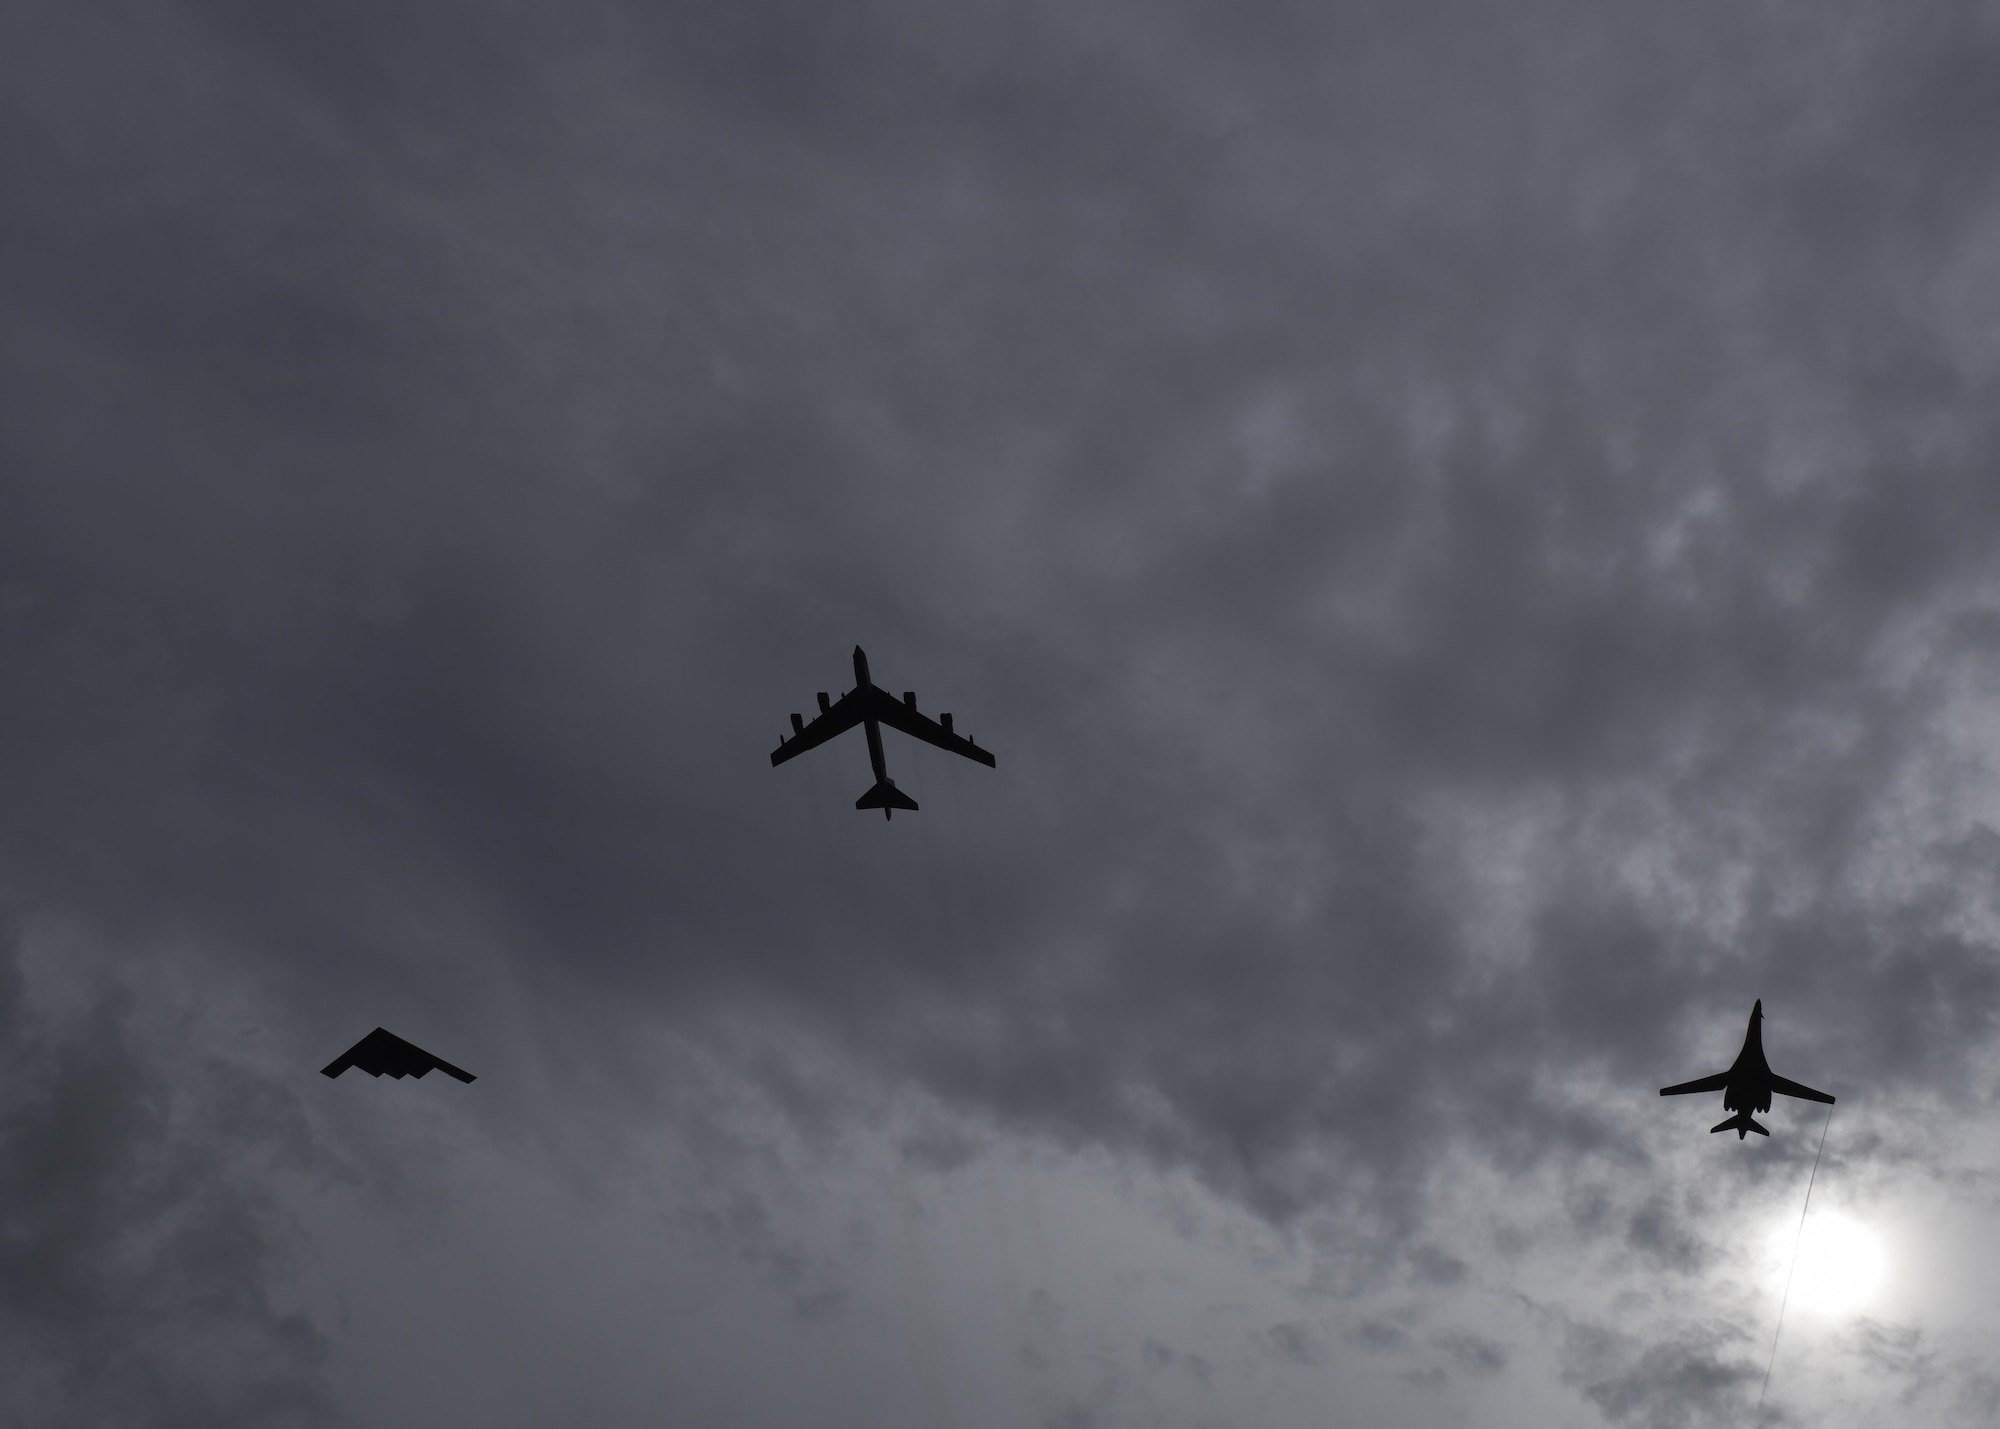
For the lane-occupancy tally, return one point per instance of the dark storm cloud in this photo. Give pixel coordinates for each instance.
(142, 1267)
(1468, 532)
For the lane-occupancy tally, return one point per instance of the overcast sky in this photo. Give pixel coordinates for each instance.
(1472, 530)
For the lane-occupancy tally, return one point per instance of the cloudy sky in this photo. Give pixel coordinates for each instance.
(1473, 532)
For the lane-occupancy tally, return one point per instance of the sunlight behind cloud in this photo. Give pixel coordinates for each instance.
(1839, 1263)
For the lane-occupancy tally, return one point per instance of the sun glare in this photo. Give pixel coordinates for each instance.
(1839, 1262)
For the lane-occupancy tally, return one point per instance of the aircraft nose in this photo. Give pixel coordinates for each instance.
(1757, 1008)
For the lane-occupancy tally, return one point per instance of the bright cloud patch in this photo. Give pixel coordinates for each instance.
(1838, 1264)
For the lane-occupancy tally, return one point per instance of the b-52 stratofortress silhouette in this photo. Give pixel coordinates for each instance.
(383, 1051)
(1748, 1084)
(871, 708)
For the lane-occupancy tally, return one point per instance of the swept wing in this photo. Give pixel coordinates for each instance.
(902, 715)
(1796, 1089)
(1703, 1084)
(383, 1051)
(839, 717)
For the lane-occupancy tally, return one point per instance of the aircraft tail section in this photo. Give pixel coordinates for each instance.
(886, 796)
(1740, 1123)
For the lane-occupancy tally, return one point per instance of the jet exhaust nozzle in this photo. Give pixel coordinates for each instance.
(886, 796)
(1740, 1123)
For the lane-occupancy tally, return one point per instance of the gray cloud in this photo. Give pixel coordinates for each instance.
(1290, 1342)
(1474, 1353)
(1471, 533)
(1697, 1377)
(147, 1269)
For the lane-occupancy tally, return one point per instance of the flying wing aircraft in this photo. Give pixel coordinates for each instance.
(872, 708)
(1748, 1084)
(383, 1051)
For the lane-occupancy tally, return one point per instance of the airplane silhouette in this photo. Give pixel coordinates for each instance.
(1748, 1084)
(383, 1051)
(872, 708)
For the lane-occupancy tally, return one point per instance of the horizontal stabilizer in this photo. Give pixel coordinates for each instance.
(1739, 1123)
(886, 796)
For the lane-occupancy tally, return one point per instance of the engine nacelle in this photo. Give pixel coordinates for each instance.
(824, 703)
(798, 725)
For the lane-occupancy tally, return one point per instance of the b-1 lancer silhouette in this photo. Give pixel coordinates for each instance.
(1748, 1084)
(383, 1051)
(872, 708)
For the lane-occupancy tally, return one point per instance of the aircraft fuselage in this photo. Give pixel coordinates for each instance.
(1749, 1086)
(870, 725)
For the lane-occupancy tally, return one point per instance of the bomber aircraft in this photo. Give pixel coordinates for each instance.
(871, 708)
(383, 1051)
(1748, 1084)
